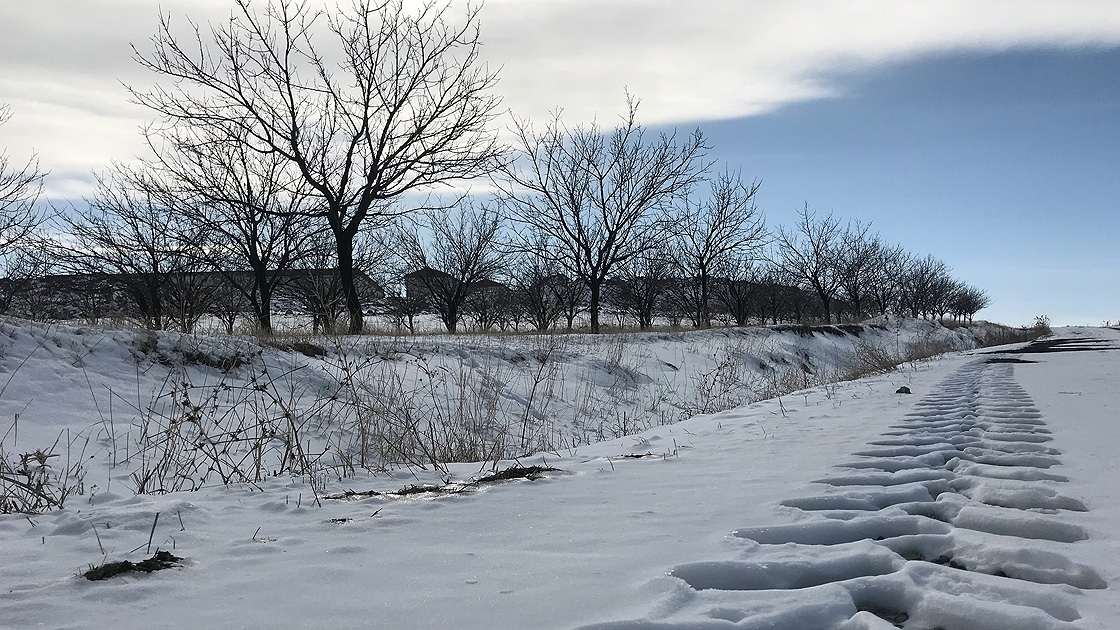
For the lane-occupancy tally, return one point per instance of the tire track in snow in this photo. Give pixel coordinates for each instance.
(951, 520)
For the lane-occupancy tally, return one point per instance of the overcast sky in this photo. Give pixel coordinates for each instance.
(985, 133)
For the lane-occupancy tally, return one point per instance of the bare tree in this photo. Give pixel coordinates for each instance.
(403, 309)
(314, 288)
(738, 290)
(314, 284)
(402, 105)
(191, 292)
(256, 216)
(539, 286)
(600, 198)
(21, 258)
(492, 304)
(640, 286)
(230, 304)
(21, 271)
(920, 284)
(122, 236)
(809, 254)
(943, 294)
(858, 254)
(573, 296)
(710, 232)
(968, 301)
(451, 254)
(888, 268)
(20, 187)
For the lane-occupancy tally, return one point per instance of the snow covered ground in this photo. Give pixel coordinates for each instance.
(988, 498)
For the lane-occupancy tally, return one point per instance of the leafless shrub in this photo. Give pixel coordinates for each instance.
(1041, 327)
(243, 427)
(730, 383)
(616, 351)
(925, 347)
(870, 358)
(39, 480)
(419, 414)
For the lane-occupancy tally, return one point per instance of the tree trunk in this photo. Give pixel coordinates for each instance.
(705, 311)
(346, 279)
(827, 304)
(264, 294)
(594, 286)
(451, 319)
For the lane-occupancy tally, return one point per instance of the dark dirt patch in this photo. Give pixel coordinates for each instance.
(354, 494)
(532, 473)
(804, 330)
(403, 492)
(947, 561)
(308, 349)
(943, 560)
(223, 364)
(797, 329)
(161, 560)
(146, 346)
(417, 489)
(1009, 360)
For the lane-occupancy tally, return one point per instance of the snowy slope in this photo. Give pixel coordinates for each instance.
(724, 524)
(527, 392)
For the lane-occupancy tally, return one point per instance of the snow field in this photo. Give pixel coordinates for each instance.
(667, 540)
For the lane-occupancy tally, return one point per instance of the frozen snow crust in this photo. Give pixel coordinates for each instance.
(985, 500)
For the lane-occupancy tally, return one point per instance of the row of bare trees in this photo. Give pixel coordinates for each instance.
(279, 129)
(853, 273)
(713, 267)
(297, 154)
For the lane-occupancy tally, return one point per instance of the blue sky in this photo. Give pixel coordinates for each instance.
(1006, 166)
(984, 133)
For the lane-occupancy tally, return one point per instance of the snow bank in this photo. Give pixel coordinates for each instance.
(495, 396)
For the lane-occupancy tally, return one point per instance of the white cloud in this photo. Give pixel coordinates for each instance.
(62, 62)
(728, 58)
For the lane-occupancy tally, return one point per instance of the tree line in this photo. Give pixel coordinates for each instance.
(296, 157)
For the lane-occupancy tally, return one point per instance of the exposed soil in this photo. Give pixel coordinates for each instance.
(161, 560)
(532, 473)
